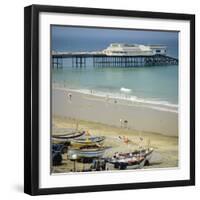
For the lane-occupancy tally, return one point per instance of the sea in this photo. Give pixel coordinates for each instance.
(156, 86)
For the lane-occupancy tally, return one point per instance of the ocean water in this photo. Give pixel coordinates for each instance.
(157, 85)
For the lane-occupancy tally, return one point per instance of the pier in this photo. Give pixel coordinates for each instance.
(79, 59)
(118, 55)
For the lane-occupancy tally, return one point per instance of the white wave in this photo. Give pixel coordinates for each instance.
(154, 104)
(125, 89)
(163, 109)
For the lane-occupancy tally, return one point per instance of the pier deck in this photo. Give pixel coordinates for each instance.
(102, 60)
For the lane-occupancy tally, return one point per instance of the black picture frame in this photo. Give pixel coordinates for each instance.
(31, 98)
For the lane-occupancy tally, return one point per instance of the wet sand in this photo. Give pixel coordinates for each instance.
(114, 112)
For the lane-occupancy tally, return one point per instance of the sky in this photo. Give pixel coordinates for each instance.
(66, 38)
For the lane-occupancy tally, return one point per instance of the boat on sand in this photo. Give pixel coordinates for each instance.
(87, 152)
(61, 138)
(133, 160)
(87, 141)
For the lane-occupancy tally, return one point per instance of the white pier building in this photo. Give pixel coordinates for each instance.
(122, 49)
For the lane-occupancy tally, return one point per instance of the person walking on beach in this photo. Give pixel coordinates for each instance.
(125, 123)
(120, 123)
(70, 96)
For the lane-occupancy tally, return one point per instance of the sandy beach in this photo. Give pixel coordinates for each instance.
(165, 153)
(105, 117)
(114, 112)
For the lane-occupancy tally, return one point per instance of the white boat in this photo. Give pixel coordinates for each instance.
(87, 141)
(133, 160)
(87, 152)
(66, 137)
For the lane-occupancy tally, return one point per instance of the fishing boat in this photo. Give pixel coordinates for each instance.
(143, 153)
(87, 152)
(61, 138)
(87, 141)
(129, 163)
(133, 160)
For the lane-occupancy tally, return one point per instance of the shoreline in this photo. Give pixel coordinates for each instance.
(114, 112)
(123, 97)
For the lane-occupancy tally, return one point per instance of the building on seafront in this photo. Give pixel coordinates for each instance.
(122, 49)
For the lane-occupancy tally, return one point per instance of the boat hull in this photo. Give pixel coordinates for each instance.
(86, 153)
(87, 141)
(134, 160)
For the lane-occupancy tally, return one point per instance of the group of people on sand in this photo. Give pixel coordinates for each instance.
(125, 139)
(107, 98)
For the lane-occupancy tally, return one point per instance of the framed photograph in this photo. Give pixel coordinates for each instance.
(109, 99)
